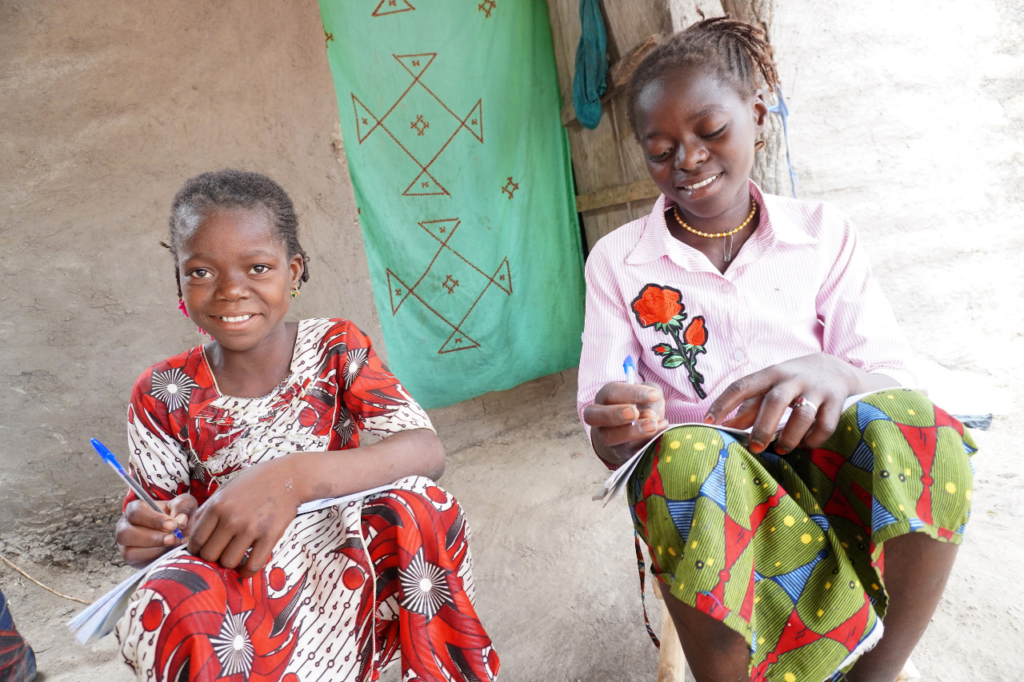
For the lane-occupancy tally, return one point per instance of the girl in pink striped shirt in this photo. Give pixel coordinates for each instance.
(745, 310)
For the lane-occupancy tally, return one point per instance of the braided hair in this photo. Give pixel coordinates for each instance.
(229, 188)
(738, 52)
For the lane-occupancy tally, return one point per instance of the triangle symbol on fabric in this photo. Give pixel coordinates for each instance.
(737, 539)
(424, 186)
(863, 457)
(457, 341)
(415, 64)
(794, 635)
(503, 277)
(475, 121)
(793, 583)
(366, 122)
(867, 413)
(853, 630)
(713, 487)
(747, 608)
(392, 7)
(441, 230)
(681, 513)
(772, 459)
(397, 291)
(822, 522)
(880, 516)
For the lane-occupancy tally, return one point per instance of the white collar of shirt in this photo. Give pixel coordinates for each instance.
(656, 241)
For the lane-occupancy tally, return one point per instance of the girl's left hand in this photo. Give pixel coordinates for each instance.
(824, 381)
(252, 511)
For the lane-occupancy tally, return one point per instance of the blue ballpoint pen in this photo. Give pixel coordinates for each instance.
(629, 367)
(139, 491)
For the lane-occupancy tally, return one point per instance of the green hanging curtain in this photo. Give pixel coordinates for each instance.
(450, 114)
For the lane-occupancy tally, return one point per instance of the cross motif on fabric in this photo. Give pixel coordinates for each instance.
(425, 183)
(419, 125)
(471, 276)
(510, 187)
(328, 37)
(392, 7)
(487, 6)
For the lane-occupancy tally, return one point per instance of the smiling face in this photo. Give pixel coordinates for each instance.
(698, 137)
(236, 277)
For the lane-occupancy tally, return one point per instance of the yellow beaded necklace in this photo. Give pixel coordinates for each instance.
(712, 235)
(726, 245)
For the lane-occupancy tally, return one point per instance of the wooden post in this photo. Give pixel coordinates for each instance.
(770, 170)
(671, 660)
(607, 157)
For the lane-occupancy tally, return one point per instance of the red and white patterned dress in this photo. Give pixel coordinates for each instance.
(347, 586)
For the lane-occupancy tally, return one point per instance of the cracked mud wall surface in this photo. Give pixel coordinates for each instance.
(105, 109)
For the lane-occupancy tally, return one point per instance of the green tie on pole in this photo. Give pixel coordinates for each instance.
(451, 119)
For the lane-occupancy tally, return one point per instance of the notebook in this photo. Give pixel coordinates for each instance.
(99, 618)
(616, 483)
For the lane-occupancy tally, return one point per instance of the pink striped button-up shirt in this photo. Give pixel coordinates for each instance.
(799, 285)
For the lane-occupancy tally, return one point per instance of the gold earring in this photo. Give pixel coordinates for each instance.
(759, 145)
(295, 291)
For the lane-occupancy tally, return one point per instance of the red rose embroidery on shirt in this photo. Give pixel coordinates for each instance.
(696, 334)
(660, 307)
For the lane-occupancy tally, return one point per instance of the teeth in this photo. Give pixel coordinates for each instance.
(700, 184)
(240, 318)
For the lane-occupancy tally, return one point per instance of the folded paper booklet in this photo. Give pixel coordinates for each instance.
(616, 483)
(99, 618)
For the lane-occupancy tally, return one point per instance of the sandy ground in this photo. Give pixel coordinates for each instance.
(907, 115)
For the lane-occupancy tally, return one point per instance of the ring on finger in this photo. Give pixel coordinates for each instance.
(803, 402)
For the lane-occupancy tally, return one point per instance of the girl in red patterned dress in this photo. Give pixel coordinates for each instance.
(277, 409)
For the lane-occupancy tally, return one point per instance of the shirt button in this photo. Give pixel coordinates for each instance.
(726, 287)
(739, 356)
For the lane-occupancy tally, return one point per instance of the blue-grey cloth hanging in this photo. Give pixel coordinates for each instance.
(783, 111)
(589, 82)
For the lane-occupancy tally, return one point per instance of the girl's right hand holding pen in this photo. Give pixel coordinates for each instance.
(623, 418)
(143, 535)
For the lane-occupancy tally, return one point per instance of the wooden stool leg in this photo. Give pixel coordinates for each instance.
(671, 661)
(910, 673)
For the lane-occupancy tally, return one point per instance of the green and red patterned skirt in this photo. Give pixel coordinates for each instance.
(787, 550)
